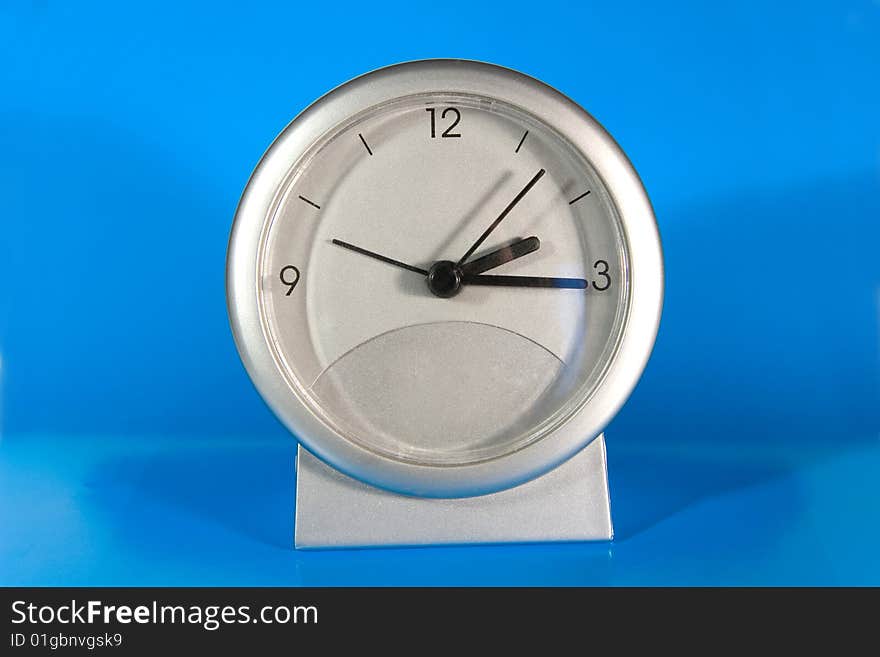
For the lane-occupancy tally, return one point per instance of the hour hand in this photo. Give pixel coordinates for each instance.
(500, 256)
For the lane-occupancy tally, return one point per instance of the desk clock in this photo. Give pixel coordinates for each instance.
(445, 278)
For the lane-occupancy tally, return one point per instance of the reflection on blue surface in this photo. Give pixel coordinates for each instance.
(135, 450)
(155, 512)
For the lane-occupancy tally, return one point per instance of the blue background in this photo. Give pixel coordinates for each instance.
(133, 448)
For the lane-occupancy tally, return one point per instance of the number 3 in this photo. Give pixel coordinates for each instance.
(602, 272)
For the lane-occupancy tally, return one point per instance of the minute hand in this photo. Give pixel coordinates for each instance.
(527, 281)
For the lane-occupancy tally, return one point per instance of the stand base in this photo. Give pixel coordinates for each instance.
(570, 503)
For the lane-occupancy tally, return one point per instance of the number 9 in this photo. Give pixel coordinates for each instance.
(289, 279)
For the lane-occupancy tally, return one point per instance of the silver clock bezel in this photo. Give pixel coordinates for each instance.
(547, 105)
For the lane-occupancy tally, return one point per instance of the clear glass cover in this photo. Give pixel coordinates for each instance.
(386, 360)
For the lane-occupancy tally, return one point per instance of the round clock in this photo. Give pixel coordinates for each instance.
(445, 278)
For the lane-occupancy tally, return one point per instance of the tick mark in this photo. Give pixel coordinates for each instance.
(574, 200)
(364, 142)
(519, 145)
(312, 203)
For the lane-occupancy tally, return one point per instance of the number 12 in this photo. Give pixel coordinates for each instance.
(448, 132)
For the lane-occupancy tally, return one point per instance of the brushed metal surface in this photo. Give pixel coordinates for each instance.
(569, 503)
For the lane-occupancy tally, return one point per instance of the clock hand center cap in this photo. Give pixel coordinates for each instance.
(444, 279)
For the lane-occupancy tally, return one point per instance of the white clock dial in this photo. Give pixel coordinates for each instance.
(394, 366)
(442, 278)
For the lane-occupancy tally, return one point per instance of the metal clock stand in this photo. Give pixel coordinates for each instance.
(570, 503)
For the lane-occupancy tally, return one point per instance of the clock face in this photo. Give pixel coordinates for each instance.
(442, 280)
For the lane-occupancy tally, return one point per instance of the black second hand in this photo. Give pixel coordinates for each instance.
(517, 199)
(371, 254)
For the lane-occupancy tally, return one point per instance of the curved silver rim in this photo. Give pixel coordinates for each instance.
(623, 186)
